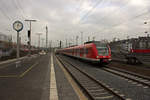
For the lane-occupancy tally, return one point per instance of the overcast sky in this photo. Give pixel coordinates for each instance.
(102, 19)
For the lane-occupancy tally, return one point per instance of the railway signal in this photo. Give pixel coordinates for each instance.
(30, 35)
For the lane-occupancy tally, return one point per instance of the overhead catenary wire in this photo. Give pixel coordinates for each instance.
(3, 12)
(115, 11)
(22, 13)
(86, 15)
(125, 22)
(91, 10)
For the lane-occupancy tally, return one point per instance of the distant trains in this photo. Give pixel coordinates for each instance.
(134, 51)
(93, 51)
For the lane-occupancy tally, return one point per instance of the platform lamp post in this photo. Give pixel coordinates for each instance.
(29, 34)
(39, 35)
(77, 40)
(18, 26)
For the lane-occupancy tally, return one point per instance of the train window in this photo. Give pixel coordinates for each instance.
(84, 51)
(142, 45)
(136, 45)
(75, 51)
(99, 44)
(70, 50)
(78, 51)
(149, 44)
(81, 51)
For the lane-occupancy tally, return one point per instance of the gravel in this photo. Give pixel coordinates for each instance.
(139, 69)
(118, 83)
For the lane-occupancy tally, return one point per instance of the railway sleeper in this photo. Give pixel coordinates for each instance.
(105, 98)
(99, 90)
(90, 85)
(94, 88)
(101, 94)
(133, 60)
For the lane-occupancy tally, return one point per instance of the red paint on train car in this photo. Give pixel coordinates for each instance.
(140, 50)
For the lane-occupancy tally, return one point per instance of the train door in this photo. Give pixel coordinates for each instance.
(84, 52)
(87, 52)
(78, 52)
(90, 52)
(81, 52)
(128, 46)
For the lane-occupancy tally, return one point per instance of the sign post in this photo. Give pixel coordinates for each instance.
(18, 26)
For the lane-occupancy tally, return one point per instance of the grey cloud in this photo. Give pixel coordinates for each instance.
(64, 17)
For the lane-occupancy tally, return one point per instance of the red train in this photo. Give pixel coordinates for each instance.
(93, 51)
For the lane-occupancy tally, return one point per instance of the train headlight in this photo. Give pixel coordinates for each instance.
(109, 59)
(97, 56)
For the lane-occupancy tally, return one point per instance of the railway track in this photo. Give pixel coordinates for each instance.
(130, 77)
(95, 89)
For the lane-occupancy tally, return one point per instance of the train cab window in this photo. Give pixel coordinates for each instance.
(102, 48)
(148, 44)
(142, 45)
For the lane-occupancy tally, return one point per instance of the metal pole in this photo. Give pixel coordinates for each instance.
(43, 43)
(88, 38)
(39, 40)
(60, 44)
(77, 40)
(18, 51)
(39, 34)
(81, 37)
(66, 43)
(93, 38)
(30, 41)
(46, 36)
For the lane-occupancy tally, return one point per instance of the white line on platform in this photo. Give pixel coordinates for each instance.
(53, 86)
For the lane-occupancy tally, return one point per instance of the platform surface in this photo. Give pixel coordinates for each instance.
(31, 79)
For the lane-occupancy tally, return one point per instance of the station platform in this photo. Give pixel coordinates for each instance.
(40, 77)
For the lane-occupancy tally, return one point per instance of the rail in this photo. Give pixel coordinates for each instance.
(95, 89)
(129, 75)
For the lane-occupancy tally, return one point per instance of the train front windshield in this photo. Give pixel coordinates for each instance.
(102, 49)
